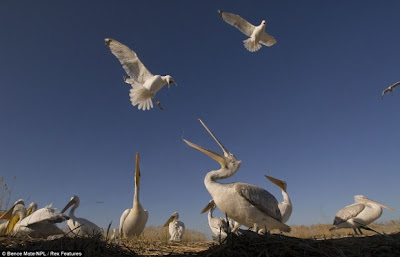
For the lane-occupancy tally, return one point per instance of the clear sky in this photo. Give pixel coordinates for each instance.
(307, 110)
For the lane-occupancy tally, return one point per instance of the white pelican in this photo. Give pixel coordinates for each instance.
(246, 204)
(144, 84)
(80, 226)
(390, 88)
(39, 224)
(134, 220)
(31, 208)
(257, 34)
(220, 227)
(8, 216)
(286, 206)
(361, 213)
(176, 228)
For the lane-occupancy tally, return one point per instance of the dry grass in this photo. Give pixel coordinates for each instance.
(5, 194)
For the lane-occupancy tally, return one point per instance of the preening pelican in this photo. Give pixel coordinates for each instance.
(134, 220)
(246, 204)
(361, 213)
(176, 228)
(220, 227)
(257, 34)
(286, 206)
(144, 84)
(390, 88)
(80, 226)
(39, 224)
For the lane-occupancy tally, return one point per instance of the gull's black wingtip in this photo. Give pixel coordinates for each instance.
(220, 12)
(107, 41)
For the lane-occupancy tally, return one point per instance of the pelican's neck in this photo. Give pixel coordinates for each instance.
(136, 195)
(72, 211)
(286, 198)
(210, 213)
(211, 177)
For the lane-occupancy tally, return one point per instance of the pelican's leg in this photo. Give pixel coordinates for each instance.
(359, 229)
(235, 228)
(355, 231)
(158, 103)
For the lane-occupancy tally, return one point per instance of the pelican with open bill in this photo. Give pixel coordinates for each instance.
(246, 204)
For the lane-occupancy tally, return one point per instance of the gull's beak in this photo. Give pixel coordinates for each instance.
(137, 170)
(169, 221)
(277, 182)
(172, 82)
(11, 224)
(381, 205)
(209, 206)
(72, 202)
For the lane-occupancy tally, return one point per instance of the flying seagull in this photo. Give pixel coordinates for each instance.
(257, 34)
(390, 89)
(144, 84)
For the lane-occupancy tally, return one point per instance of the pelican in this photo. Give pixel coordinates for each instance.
(144, 84)
(246, 204)
(361, 213)
(134, 220)
(257, 34)
(80, 226)
(31, 208)
(39, 224)
(8, 216)
(390, 88)
(220, 227)
(176, 228)
(286, 206)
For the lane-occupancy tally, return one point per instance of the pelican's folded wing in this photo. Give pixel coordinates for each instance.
(260, 198)
(348, 212)
(238, 22)
(129, 60)
(267, 40)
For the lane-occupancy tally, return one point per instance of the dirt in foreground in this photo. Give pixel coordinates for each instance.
(245, 245)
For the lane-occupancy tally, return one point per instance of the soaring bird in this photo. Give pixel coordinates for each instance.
(359, 214)
(220, 227)
(176, 228)
(80, 226)
(390, 88)
(246, 204)
(144, 84)
(256, 34)
(134, 220)
(38, 224)
(286, 206)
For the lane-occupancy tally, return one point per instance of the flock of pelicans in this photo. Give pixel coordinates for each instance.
(243, 204)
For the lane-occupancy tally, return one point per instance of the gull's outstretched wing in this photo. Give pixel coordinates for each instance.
(238, 22)
(267, 40)
(129, 60)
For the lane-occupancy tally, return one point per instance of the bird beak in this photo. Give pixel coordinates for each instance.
(381, 205)
(72, 202)
(11, 224)
(209, 206)
(277, 182)
(8, 215)
(29, 211)
(169, 221)
(173, 82)
(137, 170)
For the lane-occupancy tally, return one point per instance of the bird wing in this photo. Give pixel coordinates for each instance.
(348, 212)
(267, 40)
(385, 91)
(235, 20)
(395, 84)
(129, 60)
(47, 215)
(260, 198)
(122, 220)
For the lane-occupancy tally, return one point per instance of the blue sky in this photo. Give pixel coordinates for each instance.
(307, 110)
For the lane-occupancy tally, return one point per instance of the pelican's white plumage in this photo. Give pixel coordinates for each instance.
(38, 224)
(145, 85)
(176, 228)
(246, 204)
(390, 88)
(8, 215)
(361, 213)
(220, 227)
(285, 206)
(256, 34)
(80, 226)
(133, 221)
